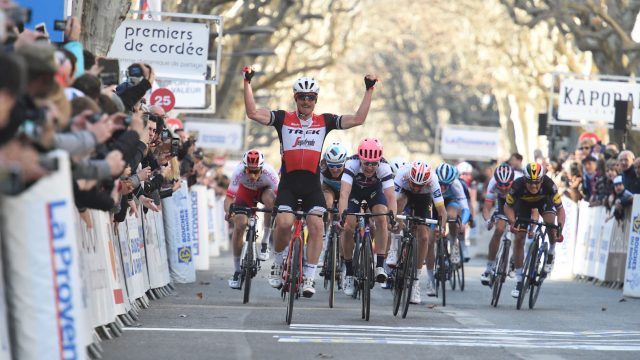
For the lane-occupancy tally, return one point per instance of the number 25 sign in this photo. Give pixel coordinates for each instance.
(164, 98)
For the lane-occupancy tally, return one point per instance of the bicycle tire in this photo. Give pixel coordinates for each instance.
(441, 277)
(529, 260)
(367, 273)
(248, 266)
(398, 278)
(333, 259)
(535, 288)
(355, 265)
(293, 278)
(453, 269)
(501, 273)
(461, 271)
(410, 275)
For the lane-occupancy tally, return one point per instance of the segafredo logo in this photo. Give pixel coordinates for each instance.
(62, 258)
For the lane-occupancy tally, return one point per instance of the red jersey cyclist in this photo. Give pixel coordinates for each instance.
(302, 133)
(252, 181)
(367, 176)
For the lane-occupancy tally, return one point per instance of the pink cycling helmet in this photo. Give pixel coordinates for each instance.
(370, 149)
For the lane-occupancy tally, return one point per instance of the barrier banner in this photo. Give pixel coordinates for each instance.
(632, 271)
(104, 232)
(85, 278)
(120, 263)
(582, 237)
(222, 231)
(143, 248)
(162, 246)
(5, 347)
(154, 258)
(43, 286)
(200, 226)
(603, 243)
(214, 246)
(178, 236)
(134, 247)
(593, 239)
(618, 245)
(565, 251)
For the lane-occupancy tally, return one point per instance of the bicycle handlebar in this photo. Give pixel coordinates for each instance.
(534, 222)
(239, 209)
(297, 212)
(422, 221)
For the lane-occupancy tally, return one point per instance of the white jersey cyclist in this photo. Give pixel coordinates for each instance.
(353, 175)
(241, 184)
(402, 182)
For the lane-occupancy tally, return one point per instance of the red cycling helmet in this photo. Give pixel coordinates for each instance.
(253, 159)
(420, 173)
(370, 149)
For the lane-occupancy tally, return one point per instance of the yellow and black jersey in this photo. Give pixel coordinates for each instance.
(548, 193)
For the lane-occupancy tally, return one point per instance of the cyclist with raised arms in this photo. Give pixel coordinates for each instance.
(417, 189)
(497, 191)
(252, 181)
(367, 176)
(534, 190)
(301, 134)
(455, 200)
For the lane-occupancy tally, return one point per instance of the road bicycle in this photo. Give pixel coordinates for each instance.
(534, 274)
(250, 264)
(330, 264)
(500, 270)
(406, 271)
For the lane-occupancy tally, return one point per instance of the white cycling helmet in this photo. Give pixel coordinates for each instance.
(306, 85)
(335, 154)
(396, 164)
(464, 168)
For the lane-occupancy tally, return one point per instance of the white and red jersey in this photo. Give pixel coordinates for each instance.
(492, 189)
(268, 179)
(402, 184)
(301, 140)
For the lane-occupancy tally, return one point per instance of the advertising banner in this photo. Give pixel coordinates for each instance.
(565, 251)
(219, 136)
(200, 226)
(632, 272)
(178, 236)
(593, 100)
(173, 49)
(43, 287)
(470, 143)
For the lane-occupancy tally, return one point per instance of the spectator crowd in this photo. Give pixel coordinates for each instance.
(52, 96)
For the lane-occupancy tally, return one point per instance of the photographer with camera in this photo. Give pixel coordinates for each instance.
(140, 77)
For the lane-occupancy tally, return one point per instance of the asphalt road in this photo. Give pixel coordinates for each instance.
(207, 320)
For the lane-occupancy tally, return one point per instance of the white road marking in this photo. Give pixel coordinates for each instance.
(604, 340)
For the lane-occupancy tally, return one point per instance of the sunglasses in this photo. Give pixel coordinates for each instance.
(371, 163)
(307, 97)
(253, 171)
(537, 182)
(416, 186)
(334, 166)
(503, 187)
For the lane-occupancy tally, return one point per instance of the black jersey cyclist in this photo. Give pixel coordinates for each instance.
(534, 190)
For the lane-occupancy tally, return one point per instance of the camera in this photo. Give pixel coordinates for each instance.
(175, 147)
(49, 163)
(31, 127)
(59, 25)
(134, 74)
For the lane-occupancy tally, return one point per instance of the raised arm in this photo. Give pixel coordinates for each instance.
(349, 121)
(263, 116)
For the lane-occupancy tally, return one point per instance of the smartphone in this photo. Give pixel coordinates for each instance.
(110, 74)
(59, 25)
(42, 28)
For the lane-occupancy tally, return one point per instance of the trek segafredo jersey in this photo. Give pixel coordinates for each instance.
(301, 140)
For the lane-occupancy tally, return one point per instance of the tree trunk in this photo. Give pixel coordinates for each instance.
(100, 20)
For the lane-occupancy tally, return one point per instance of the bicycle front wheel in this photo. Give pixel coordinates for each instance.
(366, 264)
(529, 270)
(461, 271)
(410, 275)
(293, 277)
(248, 266)
(331, 271)
(500, 273)
(398, 277)
(539, 277)
(441, 274)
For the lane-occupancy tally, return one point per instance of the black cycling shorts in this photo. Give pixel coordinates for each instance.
(523, 208)
(300, 185)
(420, 204)
(374, 195)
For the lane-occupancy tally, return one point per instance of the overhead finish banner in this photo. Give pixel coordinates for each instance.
(173, 49)
(470, 143)
(592, 101)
